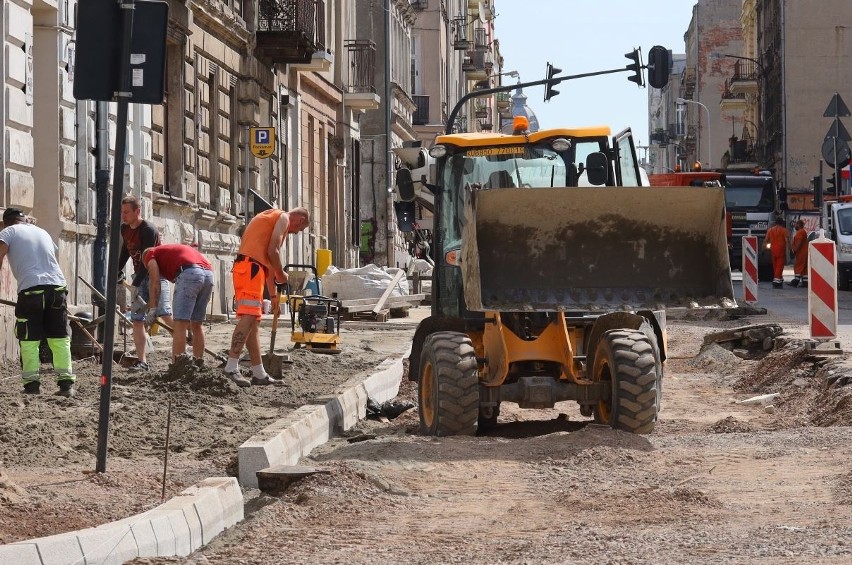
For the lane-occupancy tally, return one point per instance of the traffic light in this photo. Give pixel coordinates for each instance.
(549, 92)
(817, 182)
(830, 186)
(659, 66)
(635, 66)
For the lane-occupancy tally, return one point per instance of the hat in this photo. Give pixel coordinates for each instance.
(12, 213)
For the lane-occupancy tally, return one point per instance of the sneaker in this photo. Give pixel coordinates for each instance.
(238, 378)
(140, 366)
(266, 380)
(777, 285)
(66, 388)
(32, 387)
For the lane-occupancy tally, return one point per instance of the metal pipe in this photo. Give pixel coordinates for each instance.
(709, 133)
(388, 144)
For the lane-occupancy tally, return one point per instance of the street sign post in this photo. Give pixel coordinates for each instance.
(120, 57)
(835, 149)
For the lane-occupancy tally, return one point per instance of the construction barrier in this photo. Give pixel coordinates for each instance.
(822, 291)
(750, 269)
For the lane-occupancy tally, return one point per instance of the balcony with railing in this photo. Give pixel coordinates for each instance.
(290, 31)
(421, 112)
(361, 83)
(461, 34)
(732, 100)
(745, 77)
(475, 65)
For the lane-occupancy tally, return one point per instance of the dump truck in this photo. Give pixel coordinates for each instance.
(554, 266)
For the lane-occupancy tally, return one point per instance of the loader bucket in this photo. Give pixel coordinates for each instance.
(600, 248)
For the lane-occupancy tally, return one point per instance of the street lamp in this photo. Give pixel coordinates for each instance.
(709, 139)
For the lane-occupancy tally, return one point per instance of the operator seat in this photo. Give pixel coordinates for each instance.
(500, 179)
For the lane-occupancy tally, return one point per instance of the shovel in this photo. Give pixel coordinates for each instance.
(276, 311)
(273, 362)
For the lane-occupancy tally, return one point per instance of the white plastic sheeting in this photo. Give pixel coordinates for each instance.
(364, 282)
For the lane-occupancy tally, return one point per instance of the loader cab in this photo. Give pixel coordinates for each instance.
(470, 162)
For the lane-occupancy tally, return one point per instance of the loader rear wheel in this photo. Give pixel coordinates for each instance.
(626, 359)
(448, 388)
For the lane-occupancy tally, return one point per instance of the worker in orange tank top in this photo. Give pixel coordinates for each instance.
(776, 240)
(800, 254)
(258, 263)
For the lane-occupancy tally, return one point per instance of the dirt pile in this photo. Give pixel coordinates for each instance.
(730, 425)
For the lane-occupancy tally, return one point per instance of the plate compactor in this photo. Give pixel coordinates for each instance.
(314, 318)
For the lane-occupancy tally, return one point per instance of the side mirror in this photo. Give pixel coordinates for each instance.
(597, 166)
(405, 185)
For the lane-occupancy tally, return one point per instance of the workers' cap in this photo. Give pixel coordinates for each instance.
(12, 213)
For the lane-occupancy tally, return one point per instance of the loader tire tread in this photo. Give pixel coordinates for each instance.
(635, 375)
(454, 365)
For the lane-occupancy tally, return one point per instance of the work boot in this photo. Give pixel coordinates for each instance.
(266, 380)
(794, 283)
(66, 388)
(238, 378)
(32, 387)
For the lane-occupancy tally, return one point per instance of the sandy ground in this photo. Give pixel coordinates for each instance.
(717, 481)
(48, 444)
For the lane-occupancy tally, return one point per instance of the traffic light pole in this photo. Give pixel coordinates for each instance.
(508, 88)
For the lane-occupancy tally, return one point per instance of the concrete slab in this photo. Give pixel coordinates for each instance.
(162, 528)
(146, 541)
(107, 545)
(58, 549)
(24, 553)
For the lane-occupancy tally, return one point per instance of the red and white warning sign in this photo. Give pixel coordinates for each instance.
(822, 289)
(750, 269)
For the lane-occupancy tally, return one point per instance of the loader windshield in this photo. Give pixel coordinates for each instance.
(483, 168)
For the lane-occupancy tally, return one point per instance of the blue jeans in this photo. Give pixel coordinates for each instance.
(164, 305)
(193, 288)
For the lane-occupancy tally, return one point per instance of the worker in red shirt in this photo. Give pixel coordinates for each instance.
(192, 275)
(776, 240)
(800, 255)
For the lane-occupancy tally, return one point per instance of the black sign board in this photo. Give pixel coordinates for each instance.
(97, 64)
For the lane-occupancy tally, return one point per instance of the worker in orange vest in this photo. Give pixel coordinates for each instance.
(800, 254)
(776, 240)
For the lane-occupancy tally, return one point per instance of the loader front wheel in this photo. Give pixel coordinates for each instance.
(626, 359)
(448, 388)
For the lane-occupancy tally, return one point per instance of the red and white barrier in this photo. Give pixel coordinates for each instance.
(750, 269)
(822, 289)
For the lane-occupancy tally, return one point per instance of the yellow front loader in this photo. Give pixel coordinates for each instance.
(553, 269)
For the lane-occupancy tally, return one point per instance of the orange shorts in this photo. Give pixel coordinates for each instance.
(249, 282)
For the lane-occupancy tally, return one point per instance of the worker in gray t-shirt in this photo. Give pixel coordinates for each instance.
(41, 308)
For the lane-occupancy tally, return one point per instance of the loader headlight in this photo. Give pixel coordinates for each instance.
(438, 151)
(768, 245)
(845, 248)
